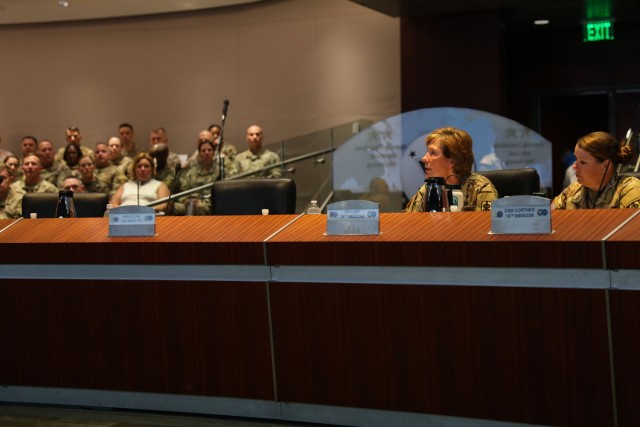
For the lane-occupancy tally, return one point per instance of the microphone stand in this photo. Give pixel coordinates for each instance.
(218, 156)
(173, 187)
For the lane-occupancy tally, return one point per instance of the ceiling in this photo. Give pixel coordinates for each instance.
(516, 13)
(37, 11)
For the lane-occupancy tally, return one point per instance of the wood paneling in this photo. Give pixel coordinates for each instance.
(178, 240)
(622, 248)
(528, 355)
(424, 239)
(199, 338)
(625, 324)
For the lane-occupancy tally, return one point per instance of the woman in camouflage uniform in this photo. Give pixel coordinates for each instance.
(450, 155)
(599, 186)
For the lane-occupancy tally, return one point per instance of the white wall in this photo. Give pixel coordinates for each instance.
(292, 66)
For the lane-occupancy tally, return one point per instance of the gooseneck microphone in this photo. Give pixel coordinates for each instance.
(218, 154)
(173, 185)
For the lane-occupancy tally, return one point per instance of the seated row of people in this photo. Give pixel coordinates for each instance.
(449, 154)
(152, 174)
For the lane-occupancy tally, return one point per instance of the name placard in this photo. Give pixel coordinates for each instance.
(521, 215)
(130, 221)
(353, 217)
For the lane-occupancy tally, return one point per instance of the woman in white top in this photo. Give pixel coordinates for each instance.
(142, 189)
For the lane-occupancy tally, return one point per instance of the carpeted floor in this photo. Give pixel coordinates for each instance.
(46, 416)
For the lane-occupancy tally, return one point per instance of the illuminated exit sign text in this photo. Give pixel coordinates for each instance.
(595, 31)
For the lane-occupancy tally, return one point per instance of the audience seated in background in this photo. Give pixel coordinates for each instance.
(71, 156)
(32, 182)
(257, 158)
(450, 155)
(73, 136)
(228, 150)
(129, 149)
(28, 145)
(5, 182)
(142, 189)
(53, 170)
(159, 136)
(12, 163)
(599, 186)
(92, 184)
(106, 171)
(163, 172)
(122, 162)
(205, 172)
(73, 183)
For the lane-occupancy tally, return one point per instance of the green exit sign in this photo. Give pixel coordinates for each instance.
(595, 31)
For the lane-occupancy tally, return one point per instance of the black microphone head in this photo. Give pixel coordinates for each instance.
(226, 103)
(178, 167)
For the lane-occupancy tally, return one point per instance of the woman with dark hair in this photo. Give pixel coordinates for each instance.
(143, 188)
(450, 155)
(71, 156)
(599, 186)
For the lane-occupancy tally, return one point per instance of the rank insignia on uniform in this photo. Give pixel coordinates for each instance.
(486, 206)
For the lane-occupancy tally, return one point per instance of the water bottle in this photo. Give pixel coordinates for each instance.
(109, 207)
(435, 197)
(314, 209)
(456, 198)
(65, 207)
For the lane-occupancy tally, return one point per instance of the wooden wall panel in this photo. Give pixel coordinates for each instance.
(164, 337)
(528, 355)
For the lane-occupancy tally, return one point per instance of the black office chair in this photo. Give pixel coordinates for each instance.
(250, 196)
(514, 182)
(88, 205)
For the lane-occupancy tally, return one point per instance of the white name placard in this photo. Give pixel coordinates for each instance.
(353, 217)
(521, 215)
(129, 221)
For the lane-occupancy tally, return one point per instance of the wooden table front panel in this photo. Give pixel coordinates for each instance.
(523, 355)
(623, 248)
(449, 239)
(625, 324)
(204, 338)
(178, 240)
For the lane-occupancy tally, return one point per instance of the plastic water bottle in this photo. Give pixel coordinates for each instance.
(457, 198)
(109, 207)
(314, 209)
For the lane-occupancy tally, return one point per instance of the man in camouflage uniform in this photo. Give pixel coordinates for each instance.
(129, 148)
(106, 171)
(122, 162)
(53, 170)
(72, 134)
(621, 192)
(5, 182)
(91, 183)
(31, 182)
(213, 134)
(478, 193)
(257, 158)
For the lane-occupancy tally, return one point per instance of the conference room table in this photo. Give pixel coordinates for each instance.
(267, 316)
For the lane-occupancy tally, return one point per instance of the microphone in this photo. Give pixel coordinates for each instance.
(225, 107)
(138, 182)
(173, 185)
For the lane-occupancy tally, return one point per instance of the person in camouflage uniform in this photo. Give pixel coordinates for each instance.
(257, 158)
(5, 183)
(450, 155)
(106, 171)
(53, 170)
(213, 134)
(92, 184)
(122, 162)
(32, 182)
(599, 186)
(73, 136)
(205, 172)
